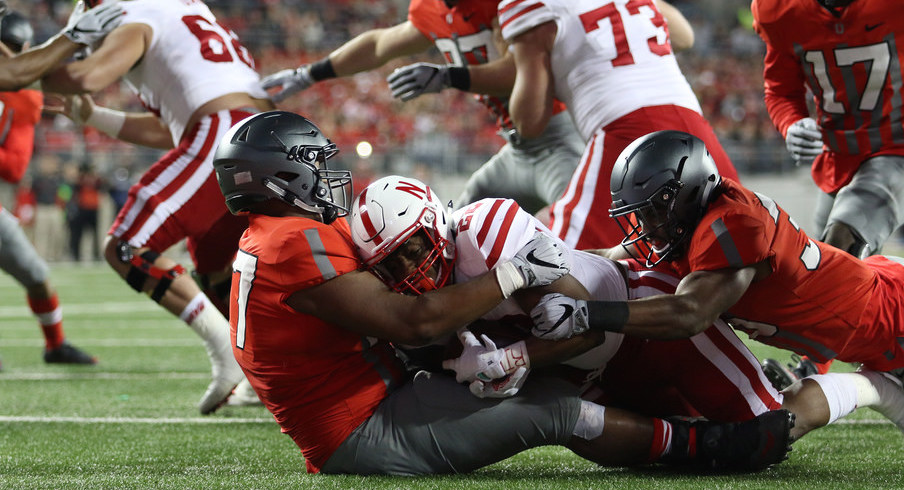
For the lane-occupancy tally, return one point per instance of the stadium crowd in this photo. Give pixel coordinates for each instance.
(435, 134)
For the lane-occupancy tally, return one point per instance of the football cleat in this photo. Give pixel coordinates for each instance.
(66, 353)
(226, 375)
(243, 395)
(751, 445)
(783, 376)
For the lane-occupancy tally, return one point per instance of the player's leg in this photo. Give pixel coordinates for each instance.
(178, 198)
(868, 209)
(20, 259)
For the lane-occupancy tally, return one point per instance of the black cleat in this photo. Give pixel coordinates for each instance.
(751, 445)
(66, 353)
(782, 377)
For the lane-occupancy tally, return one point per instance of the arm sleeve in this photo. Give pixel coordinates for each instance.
(732, 240)
(519, 16)
(783, 80)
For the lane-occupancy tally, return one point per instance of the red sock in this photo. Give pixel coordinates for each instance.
(662, 438)
(50, 316)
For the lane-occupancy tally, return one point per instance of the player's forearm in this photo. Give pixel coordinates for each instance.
(551, 352)
(146, 129)
(495, 78)
(373, 49)
(19, 72)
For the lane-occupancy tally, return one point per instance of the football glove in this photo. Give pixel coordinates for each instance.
(415, 80)
(559, 317)
(804, 141)
(477, 359)
(291, 82)
(500, 388)
(87, 26)
(539, 262)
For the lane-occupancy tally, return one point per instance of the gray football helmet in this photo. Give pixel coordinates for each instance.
(16, 31)
(279, 155)
(661, 185)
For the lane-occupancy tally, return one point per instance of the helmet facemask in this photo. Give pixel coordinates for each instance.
(654, 229)
(288, 186)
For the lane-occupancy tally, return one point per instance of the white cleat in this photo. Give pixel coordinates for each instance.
(244, 396)
(226, 375)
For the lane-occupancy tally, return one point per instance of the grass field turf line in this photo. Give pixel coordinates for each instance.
(131, 421)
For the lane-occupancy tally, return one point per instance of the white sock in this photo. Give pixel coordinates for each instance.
(845, 392)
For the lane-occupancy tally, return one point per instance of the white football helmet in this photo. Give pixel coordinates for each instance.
(389, 212)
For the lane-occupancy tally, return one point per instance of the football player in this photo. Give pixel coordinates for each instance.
(196, 80)
(533, 171)
(404, 235)
(312, 331)
(85, 27)
(612, 64)
(20, 111)
(848, 54)
(742, 258)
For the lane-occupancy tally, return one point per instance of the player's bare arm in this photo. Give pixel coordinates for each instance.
(20, 71)
(375, 48)
(681, 34)
(140, 128)
(118, 53)
(371, 308)
(532, 95)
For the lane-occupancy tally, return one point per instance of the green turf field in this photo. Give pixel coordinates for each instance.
(131, 421)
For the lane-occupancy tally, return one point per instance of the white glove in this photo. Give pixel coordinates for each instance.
(500, 388)
(804, 141)
(291, 81)
(557, 317)
(476, 359)
(87, 26)
(414, 80)
(539, 262)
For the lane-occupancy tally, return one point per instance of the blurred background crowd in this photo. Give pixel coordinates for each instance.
(79, 176)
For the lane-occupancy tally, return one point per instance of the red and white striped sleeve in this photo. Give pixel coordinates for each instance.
(519, 16)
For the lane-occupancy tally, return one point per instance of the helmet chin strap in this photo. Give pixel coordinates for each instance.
(292, 198)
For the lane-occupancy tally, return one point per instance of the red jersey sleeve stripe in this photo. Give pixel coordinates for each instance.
(516, 15)
(318, 252)
(499, 244)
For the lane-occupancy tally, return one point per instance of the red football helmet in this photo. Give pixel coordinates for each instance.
(404, 234)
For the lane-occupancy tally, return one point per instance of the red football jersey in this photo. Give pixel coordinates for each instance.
(817, 301)
(320, 381)
(464, 34)
(19, 113)
(852, 65)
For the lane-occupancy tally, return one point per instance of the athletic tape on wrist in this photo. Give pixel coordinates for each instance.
(515, 357)
(107, 120)
(610, 316)
(509, 279)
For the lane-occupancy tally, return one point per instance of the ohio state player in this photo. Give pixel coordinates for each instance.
(712, 374)
(532, 171)
(196, 80)
(848, 54)
(317, 350)
(20, 111)
(742, 258)
(612, 64)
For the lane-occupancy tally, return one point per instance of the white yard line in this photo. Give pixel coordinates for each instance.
(89, 342)
(133, 420)
(86, 308)
(12, 376)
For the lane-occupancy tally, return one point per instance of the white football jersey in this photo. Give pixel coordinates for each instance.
(191, 60)
(610, 57)
(491, 231)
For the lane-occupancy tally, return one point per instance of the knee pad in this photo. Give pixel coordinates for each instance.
(141, 268)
